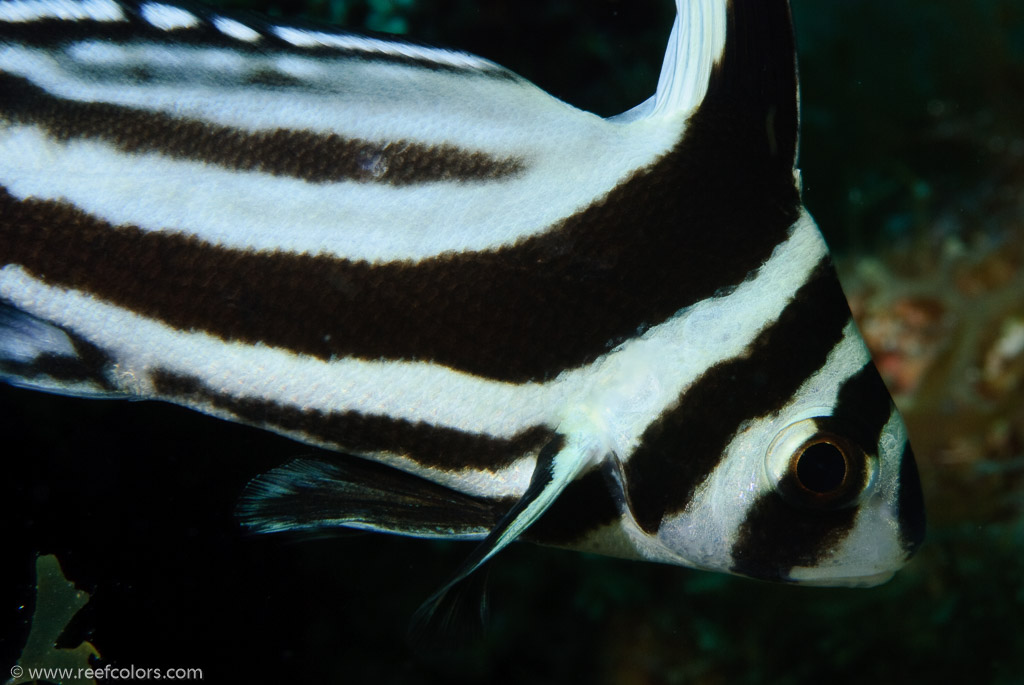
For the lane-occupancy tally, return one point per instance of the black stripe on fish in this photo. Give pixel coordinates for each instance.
(860, 408)
(431, 446)
(525, 312)
(311, 157)
(682, 447)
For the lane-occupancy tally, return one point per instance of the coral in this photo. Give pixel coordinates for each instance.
(945, 323)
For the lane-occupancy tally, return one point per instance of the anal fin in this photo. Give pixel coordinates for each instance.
(313, 496)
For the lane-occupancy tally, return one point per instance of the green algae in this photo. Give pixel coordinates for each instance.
(57, 602)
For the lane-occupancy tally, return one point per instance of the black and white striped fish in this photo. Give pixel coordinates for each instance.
(619, 335)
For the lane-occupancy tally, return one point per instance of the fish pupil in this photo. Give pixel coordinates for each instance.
(821, 468)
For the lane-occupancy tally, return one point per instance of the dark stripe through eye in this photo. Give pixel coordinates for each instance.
(683, 447)
(776, 535)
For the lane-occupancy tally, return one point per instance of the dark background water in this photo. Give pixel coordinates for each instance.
(912, 139)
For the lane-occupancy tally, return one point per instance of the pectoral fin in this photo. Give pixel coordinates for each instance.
(558, 463)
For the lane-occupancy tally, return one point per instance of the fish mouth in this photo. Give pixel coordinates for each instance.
(797, 575)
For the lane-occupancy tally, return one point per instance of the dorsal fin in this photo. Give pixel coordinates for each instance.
(751, 102)
(737, 60)
(695, 45)
(731, 66)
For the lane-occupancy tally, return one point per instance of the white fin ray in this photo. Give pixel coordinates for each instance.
(694, 47)
(554, 470)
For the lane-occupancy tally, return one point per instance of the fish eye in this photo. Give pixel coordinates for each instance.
(821, 467)
(813, 464)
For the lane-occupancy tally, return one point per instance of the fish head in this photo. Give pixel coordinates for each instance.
(824, 491)
(784, 457)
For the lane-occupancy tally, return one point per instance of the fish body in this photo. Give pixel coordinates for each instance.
(621, 335)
